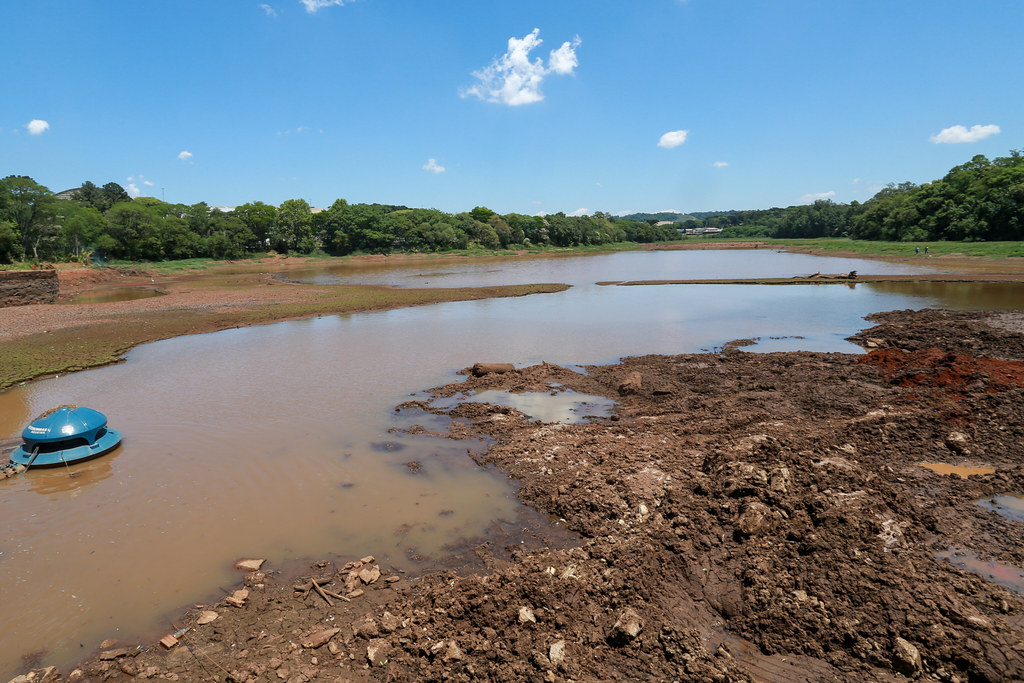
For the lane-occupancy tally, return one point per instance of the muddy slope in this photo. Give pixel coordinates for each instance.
(741, 517)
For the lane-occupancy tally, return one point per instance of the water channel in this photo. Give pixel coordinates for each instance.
(273, 441)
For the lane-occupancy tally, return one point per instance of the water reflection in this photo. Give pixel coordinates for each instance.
(588, 269)
(1005, 575)
(964, 296)
(1010, 506)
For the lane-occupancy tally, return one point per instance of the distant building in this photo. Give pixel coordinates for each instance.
(700, 231)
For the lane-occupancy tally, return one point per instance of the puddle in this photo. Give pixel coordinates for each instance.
(108, 295)
(566, 407)
(1010, 506)
(1005, 575)
(962, 471)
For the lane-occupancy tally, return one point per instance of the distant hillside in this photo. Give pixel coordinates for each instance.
(674, 217)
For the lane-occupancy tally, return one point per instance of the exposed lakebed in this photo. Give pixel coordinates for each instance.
(260, 441)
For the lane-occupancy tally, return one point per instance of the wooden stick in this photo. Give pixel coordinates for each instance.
(321, 592)
(335, 595)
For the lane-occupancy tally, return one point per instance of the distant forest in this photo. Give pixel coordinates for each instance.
(93, 221)
(981, 200)
(977, 201)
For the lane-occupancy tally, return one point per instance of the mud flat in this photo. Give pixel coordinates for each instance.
(740, 517)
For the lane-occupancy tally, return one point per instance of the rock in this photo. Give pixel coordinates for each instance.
(556, 653)
(369, 574)
(957, 441)
(453, 653)
(48, 675)
(755, 517)
(393, 579)
(526, 616)
(481, 369)
(906, 659)
(319, 638)
(109, 642)
(389, 622)
(631, 385)
(627, 627)
(377, 651)
(357, 593)
(107, 655)
(249, 565)
(367, 560)
(780, 480)
(206, 617)
(351, 581)
(238, 597)
(663, 390)
(366, 627)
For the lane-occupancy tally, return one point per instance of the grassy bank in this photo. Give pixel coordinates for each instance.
(106, 341)
(821, 245)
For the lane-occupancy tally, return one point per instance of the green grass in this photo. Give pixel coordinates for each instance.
(992, 250)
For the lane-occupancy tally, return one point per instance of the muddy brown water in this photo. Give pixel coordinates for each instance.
(266, 441)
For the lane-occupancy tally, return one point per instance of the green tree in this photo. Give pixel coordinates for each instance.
(294, 227)
(28, 206)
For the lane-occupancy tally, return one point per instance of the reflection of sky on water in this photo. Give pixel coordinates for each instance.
(592, 268)
(566, 407)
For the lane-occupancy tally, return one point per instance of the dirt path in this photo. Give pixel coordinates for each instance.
(741, 517)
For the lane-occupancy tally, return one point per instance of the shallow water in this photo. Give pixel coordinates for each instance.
(588, 269)
(565, 407)
(266, 441)
(1005, 575)
(962, 471)
(106, 295)
(1009, 506)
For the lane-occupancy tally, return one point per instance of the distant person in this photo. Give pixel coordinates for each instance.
(926, 250)
(917, 250)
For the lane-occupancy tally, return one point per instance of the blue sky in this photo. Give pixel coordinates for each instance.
(526, 106)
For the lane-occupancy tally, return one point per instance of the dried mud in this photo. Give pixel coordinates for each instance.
(741, 517)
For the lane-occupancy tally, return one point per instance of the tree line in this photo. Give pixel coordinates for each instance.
(105, 221)
(980, 200)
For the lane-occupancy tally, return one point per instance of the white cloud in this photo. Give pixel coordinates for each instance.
(313, 5)
(563, 60)
(514, 79)
(818, 195)
(957, 134)
(721, 164)
(433, 166)
(673, 138)
(148, 183)
(855, 181)
(132, 190)
(185, 155)
(271, 12)
(579, 212)
(37, 127)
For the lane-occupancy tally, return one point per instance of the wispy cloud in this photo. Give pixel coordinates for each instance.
(313, 5)
(957, 134)
(720, 164)
(185, 155)
(271, 12)
(673, 138)
(37, 126)
(818, 195)
(515, 79)
(579, 212)
(433, 166)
